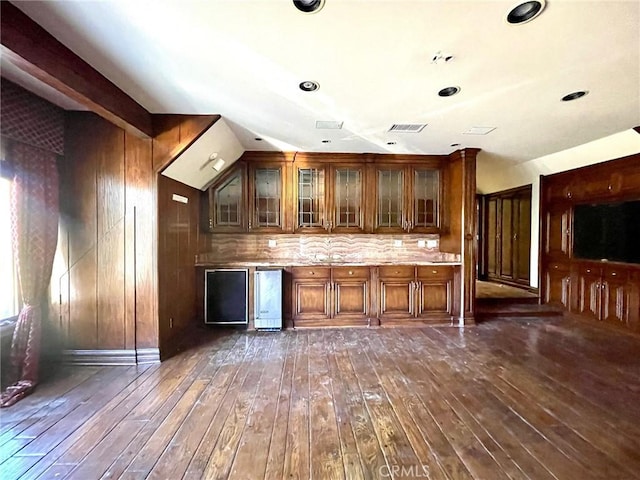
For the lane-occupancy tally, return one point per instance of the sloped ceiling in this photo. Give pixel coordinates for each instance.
(373, 61)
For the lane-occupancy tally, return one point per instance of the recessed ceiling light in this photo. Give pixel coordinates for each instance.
(326, 141)
(449, 91)
(258, 139)
(309, 6)
(479, 130)
(574, 95)
(391, 143)
(455, 144)
(525, 12)
(309, 86)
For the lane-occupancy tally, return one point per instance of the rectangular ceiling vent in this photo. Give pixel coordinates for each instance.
(407, 127)
(328, 125)
(479, 130)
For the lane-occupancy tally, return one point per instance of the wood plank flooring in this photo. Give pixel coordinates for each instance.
(530, 399)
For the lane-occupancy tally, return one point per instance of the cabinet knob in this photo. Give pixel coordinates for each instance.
(312, 272)
(351, 272)
(434, 271)
(555, 266)
(613, 274)
(588, 270)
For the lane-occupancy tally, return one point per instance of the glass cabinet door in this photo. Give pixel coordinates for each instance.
(310, 197)
(347, 198)
(227, 200)
(426, 198)
(390, 198)
(267, 201)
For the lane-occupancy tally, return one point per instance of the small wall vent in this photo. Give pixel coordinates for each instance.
(407, 127)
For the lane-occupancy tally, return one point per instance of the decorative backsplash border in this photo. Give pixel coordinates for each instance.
(317, 249)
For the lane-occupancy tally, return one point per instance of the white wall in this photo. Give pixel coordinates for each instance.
(494, 177)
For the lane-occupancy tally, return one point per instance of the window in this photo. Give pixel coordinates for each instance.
(8, 281)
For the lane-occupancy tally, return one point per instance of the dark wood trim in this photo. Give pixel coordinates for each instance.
(34, 51)
(542, 232)
(147, 355)
(637, 129)
(99, 357)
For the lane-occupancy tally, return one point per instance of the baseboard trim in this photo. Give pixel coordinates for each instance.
(148, 355)
(99, 357)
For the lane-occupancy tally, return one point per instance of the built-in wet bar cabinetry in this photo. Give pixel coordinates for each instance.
(363, 240)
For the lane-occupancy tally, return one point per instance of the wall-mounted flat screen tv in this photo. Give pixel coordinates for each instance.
(607, 231)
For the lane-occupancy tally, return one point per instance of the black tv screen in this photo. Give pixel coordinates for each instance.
(607, 231)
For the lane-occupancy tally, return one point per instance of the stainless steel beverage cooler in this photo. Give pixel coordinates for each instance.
(268, 299)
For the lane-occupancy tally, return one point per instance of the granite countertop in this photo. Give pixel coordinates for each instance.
(328, 263)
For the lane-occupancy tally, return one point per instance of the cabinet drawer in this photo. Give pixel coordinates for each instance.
(615, 274)
(396, 272)
(350, 272)
(435, 272)
(311, 272)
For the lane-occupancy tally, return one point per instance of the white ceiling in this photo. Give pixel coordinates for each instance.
(372, 59)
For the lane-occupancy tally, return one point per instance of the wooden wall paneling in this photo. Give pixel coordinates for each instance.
(83, 315)
(451, 241)
(469, 232)
(173, 134)
(111, 289)
(140, 252)
(36, 52)
(80, 197)
(492, 244)
(556, 286)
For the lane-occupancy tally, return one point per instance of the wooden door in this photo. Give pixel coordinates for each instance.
(522, 239)
(615, 291)
(435, 293)
(506, 239)
(492, 237)
(589, 292)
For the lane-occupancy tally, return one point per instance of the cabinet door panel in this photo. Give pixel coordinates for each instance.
(589, 293)
(425, 214)
(396, 298)
(266, 198)
(311, 299)
(556, 243)
(310, 199)
(558, 285)
(506, 240)
(347, 199)
(523, 240)
(390, 200)
(435, 298)
(492, 237)
(351, 299)
(228, 203)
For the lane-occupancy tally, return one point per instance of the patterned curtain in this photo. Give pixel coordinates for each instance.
(34, 222)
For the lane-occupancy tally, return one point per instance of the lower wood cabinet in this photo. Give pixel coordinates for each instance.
(558, 284)
(606, 294)
(324, 296)
(424, 293)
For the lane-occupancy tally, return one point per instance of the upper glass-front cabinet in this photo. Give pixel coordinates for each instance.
(311, 198)
(227, 202)
(390, 199)
(426, 199)
(266, 198)
(347, 198)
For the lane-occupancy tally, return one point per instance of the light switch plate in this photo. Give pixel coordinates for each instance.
(421, 243)
(271, 243)
(397, 243)
(432, 243)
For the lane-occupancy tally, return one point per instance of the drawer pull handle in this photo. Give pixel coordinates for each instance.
(350, 272)
(588, 271)
(613, 274)
(312, 273)
(434, 271)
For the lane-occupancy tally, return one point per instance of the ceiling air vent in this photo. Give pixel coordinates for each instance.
(407, 127)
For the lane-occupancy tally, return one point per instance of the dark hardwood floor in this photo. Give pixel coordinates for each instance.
(522, 399)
